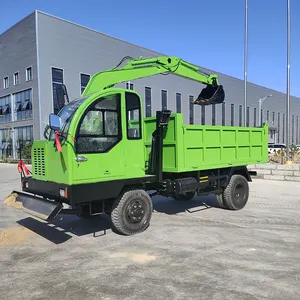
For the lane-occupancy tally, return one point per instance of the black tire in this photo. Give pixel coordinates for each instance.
(131, 212)
(181, 197)
(236, 194)
(220, 201)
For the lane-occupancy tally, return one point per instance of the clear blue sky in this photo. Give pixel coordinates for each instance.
(208, 33)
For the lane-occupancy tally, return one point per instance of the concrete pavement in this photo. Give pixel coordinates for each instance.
(207, 253)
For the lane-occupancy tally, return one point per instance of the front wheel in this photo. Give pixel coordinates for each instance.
(131, 212)
(236, 194)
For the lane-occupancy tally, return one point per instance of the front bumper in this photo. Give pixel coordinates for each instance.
(46, 189)
(36, 206)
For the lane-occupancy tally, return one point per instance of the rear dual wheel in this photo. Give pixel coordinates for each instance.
(131, 212)
(236, 194)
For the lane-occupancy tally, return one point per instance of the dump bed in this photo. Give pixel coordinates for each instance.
(202, 147)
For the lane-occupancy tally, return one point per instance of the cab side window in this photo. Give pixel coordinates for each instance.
(99, 129)
(133, 116)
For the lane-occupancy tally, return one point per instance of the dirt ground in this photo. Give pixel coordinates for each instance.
(190, 251)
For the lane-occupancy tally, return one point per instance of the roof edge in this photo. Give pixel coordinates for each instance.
(20, 21)
(99, 32)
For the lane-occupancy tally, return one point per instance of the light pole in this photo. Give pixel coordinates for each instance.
(288, 81)
(245, 60)
(260, 101)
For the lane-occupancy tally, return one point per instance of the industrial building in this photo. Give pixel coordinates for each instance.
(42, 51)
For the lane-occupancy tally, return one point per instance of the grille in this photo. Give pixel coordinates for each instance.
(39, 161)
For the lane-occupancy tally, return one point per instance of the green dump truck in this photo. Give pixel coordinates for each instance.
(101, 155)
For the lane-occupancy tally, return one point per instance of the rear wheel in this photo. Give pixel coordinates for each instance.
(184, 197)
(236, 194)
(220, 200)
(131, 212)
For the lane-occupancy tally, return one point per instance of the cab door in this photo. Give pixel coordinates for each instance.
(135, 146)
(99, 147)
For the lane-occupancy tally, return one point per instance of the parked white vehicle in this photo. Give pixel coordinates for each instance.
(275, 147)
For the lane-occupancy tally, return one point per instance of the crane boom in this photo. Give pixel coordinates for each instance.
(213, 93)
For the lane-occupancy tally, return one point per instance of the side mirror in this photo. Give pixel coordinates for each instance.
(54, 122)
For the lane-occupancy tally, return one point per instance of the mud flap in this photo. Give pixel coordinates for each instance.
(38, 207)
(210, 95)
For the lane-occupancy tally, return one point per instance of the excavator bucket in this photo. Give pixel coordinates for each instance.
(36, 206)
(210, 95)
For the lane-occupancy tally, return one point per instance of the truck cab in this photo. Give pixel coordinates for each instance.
(98, 134)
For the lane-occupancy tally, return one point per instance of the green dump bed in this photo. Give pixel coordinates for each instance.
(202, 147)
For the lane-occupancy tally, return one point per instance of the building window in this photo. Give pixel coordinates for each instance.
(129, 86)
(273, 117)
(5, 82)
(84, 79)
(278, 133)
(223, 114)
(232, 115)
(29, 74)
(254, 117)
(191, 99)
(6, 143)
(5, 109)
(57, 81)
(178, 102)
(261, 117)
(240, 115)
(213, 114)
(148, 101)
(203, 115)
(24, 134)
(164, 100)
(248, 116)
(16, 78)
(267, 116)
(23, 105)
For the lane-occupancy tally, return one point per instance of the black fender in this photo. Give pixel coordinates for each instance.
(241, 170)
(229, 172)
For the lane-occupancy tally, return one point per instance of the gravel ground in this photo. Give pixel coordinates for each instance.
(188, 252)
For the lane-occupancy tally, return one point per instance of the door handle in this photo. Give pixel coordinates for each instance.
(81, 158)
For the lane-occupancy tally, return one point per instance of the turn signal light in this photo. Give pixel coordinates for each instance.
(63, 193)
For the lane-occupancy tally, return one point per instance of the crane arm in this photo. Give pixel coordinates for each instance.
(213, 93)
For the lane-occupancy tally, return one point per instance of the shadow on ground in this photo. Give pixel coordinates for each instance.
(171, 206)
(64, 227)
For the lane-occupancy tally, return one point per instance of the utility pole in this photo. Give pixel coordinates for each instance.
(260, 101)
(245, 60)
(288, 81)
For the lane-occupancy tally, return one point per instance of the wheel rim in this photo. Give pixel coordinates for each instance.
(135, 211)
(239, 193)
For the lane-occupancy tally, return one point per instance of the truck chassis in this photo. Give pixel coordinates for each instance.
(128, 202)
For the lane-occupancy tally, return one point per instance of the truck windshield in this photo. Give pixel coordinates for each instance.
(66, 115)
(68, 111)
